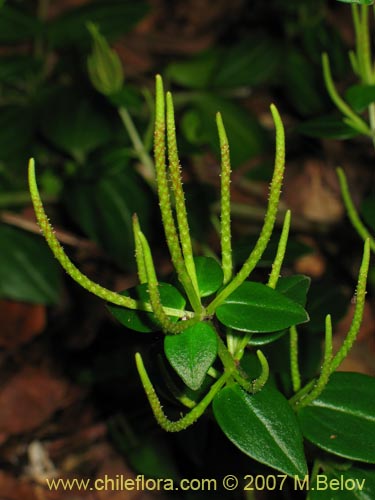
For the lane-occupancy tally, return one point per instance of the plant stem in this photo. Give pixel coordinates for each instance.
(351, 210)
(353, 119)
(138, 145)
(358, 312)
(280, 254)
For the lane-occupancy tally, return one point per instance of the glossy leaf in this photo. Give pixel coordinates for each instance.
(342, 419)
(192, 352)
(352, 483)
(266, 338)
(145, 321)
(263, 426)
(254, 307)
(294, 287)
(28, 270)
(368, 211)
(360, 96)
(209, 275)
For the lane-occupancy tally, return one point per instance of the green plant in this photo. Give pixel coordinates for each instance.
(215, 316)
(359, 98)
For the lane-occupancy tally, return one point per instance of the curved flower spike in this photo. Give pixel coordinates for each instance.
(188, 419)
(67, 264)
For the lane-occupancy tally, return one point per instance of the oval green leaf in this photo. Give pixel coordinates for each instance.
(145, 321)
(254, 307)
(342, 419)
(360, 96)
(192, 352)
(209, 275)
(263, 426)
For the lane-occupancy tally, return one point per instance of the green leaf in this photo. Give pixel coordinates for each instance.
(368, 211)
(342, 419)
(17, 128)
(263, 426)
(19, 67)
(28, 271)
(254, 307)
(74, 123)
(353, 483)
(325, 297)
(192, 352)
(103, 208)
(329, 127)
(249, 63)
(360, 96)
(266, 338)
(16, 26)
(245, 135)
(113, 18)
(294, 287)
(300, 83)
(145, 321)
(362, 2)
(209, 275)
(195, 73)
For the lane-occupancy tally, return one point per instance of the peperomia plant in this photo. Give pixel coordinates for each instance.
(359, 98)
(214, 319)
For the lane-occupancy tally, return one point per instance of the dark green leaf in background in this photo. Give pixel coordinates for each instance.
(145, 321)
(113, 18)
(360, 96)
(294, 287)
(246, 136)
(249, 63)
(17, 26)
(359, 484)
(28, 270)
(368, 211)
(209, 275)
(103, 208)
(342, 419)
(192, 352)
(263, 426)
(73, 123)
(329, 127)
(254, 307)
(17, 128)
